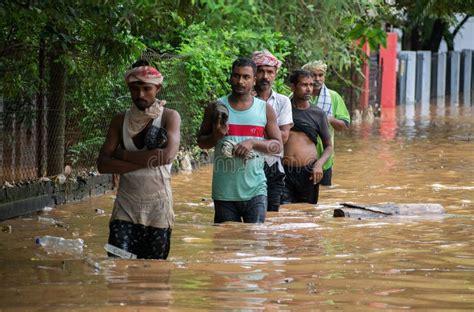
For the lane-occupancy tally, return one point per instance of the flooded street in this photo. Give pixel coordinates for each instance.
(301, 258)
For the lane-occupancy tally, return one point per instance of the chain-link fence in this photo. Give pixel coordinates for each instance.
(18, 147)
(36, 138)
(42, 134)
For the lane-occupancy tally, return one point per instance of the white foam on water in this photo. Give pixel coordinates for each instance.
(242, 254)
(328, 206)
(196, 240)
(395, 188)
(292, 226)
(192, 204)
(375, 224)
(438, 186)
(375, 186)
(261, 259)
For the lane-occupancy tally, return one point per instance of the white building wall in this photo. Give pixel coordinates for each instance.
(464, 38)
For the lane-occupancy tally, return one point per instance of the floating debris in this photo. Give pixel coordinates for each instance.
(119, 252)
(8, 184)
(92, 263)
(362, 211)
(6, 228)
(52, 221)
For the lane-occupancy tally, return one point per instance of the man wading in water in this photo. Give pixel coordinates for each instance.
(303, 169)
(267, 68)
(239, 186)
(333, 105)
(143, 216)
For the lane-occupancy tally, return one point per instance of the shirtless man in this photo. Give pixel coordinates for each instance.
(302, 167)
(333, 105)
(143, 216)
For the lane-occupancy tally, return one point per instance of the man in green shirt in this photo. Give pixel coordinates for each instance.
(333, 105)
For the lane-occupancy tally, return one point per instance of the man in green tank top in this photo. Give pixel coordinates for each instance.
(239, 186)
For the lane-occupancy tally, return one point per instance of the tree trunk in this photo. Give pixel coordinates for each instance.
(56, 114)
(415, 39)
(434, 40)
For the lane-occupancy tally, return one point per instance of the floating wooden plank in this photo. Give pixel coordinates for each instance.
(363, 211)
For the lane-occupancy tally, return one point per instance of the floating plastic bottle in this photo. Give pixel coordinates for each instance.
(119, 252)
(60, 245)
(92, 263)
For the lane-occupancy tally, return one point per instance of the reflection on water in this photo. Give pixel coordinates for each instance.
(440, 107)
(301, 258)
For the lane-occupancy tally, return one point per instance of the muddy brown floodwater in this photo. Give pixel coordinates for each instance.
(302, 258)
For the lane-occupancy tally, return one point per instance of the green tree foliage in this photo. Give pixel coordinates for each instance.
(193, 42)
(315, 29)
(425, 23)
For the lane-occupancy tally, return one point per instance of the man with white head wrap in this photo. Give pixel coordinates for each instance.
(333, 105)
(267, 69)
(142, 217)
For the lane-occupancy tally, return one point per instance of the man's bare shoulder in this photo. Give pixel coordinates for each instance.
(170, 116)
(170, 113)
(118, 119)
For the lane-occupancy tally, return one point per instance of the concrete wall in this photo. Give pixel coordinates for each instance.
(423, 75)
(26, 198)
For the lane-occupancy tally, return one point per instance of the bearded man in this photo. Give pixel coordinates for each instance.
(267, 69)
(142, 217)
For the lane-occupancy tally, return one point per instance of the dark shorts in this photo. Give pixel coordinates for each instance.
(146, 242)
(249, 211)
(298, 186)
(275, 185)
(327, 177)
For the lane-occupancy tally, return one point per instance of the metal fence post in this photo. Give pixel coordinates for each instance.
(407, 76)
(402, 79)
(454, 66)
(466, 76)
(472, 77)
(423, 76)
(411, 77)
(441, 75)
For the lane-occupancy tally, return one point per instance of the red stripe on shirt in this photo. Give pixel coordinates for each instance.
(246, 130)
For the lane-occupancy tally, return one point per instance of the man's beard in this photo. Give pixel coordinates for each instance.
(264, 84)
(142, 104)
(239, 90)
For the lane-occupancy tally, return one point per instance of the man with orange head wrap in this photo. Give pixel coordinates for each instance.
(267, 70)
